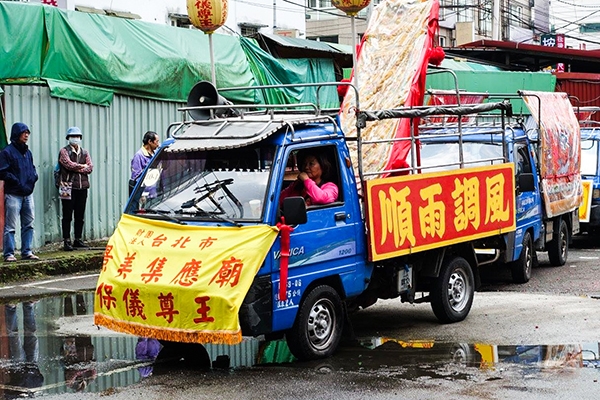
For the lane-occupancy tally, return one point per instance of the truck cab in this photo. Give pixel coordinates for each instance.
(231, 174)
(590, 171)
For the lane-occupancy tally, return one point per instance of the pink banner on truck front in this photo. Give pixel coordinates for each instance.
(560, 156)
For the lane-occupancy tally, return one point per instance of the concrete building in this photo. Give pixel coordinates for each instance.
(578, 21)
(461, 21)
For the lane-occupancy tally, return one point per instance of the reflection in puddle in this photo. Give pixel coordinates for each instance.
(51, 346)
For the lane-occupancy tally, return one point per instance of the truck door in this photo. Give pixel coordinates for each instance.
(330, 243)
(528, 202)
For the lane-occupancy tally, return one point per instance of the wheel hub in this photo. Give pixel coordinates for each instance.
(320, 323)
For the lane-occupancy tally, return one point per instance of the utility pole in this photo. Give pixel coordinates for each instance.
(496, 20)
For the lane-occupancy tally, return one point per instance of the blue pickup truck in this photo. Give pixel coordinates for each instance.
(590, 171)
(484, 139)
(414, 234)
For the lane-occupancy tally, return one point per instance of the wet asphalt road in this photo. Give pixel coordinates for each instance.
(543, 338)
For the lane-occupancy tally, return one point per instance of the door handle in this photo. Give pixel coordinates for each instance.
(340, 216)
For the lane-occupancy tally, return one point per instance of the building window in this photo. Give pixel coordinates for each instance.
(248, 31)
(484, 22)
(589, 28)
(464, 10)
(516, 17)
(180, 21)
(443, 9)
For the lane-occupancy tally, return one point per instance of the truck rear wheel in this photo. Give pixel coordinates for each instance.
(521, 268)
(452, 292)
(558, 248)
(318, 327)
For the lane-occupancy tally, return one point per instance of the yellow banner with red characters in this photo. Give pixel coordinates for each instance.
(178, 282)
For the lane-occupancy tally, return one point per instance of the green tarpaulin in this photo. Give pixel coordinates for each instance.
(89, 57)
(494, 82)
(271, 71)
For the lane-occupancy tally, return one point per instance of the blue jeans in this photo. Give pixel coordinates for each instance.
(18, 206)
(28, 350)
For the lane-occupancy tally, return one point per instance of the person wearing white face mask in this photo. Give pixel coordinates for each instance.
(75, 167)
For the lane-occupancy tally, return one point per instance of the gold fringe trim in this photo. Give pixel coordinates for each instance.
(173, 335)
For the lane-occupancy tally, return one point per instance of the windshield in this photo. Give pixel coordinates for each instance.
(445, 156)
(223, 185)
(589, 157)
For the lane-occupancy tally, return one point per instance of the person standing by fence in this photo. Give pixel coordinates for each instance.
(19, 176)
(142, 157)
(75, 167)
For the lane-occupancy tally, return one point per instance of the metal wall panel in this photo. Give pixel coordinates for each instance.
(585, 87)
(111, 135)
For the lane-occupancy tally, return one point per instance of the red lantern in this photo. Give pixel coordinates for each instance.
(207, 15)
(350, 7)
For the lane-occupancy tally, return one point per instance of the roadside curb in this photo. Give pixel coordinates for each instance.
(53, 262)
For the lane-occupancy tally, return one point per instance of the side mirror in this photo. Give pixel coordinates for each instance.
(294, 210)
(525, 182)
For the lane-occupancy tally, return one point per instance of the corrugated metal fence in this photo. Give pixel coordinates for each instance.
(111, 135)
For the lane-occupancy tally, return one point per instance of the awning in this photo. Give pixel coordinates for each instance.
(287, 47)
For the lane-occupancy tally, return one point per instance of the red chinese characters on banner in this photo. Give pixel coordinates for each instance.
(167, 307)
(229, 273)
(126, 266)
(205, 243)
(105, 296)
(420, 212)
(203, 310)
(155, 270)
(188, 275)
(50, 2)
(133, 304)
(107, 257)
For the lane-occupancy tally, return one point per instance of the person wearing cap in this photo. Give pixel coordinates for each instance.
(19, 176)
(75, 167)
(142, 157)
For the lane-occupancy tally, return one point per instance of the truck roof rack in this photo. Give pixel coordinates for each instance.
(227, 133)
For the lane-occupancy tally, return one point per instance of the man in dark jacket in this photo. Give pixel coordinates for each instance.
(19, 176)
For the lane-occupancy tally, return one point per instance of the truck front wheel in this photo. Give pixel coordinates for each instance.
(521, 268)
(452, 292)
(558, 248)
(318, 327)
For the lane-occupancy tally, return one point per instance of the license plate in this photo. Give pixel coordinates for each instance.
(405, 279)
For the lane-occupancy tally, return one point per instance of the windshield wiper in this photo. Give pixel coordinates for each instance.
(161, 212)
(210, 215)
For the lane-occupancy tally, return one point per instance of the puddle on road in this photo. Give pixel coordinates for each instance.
(51, 346)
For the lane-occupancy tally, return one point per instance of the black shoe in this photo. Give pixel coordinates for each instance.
(79, 244)
(68, 245)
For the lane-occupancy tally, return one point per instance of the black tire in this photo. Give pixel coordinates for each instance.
(521, 268)
(558, 248)
(452, 292)
(318, 327)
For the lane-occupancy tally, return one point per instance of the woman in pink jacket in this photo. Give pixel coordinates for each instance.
(314, 183)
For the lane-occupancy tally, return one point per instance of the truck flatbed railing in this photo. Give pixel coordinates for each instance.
(363, 116)
(424, 111)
